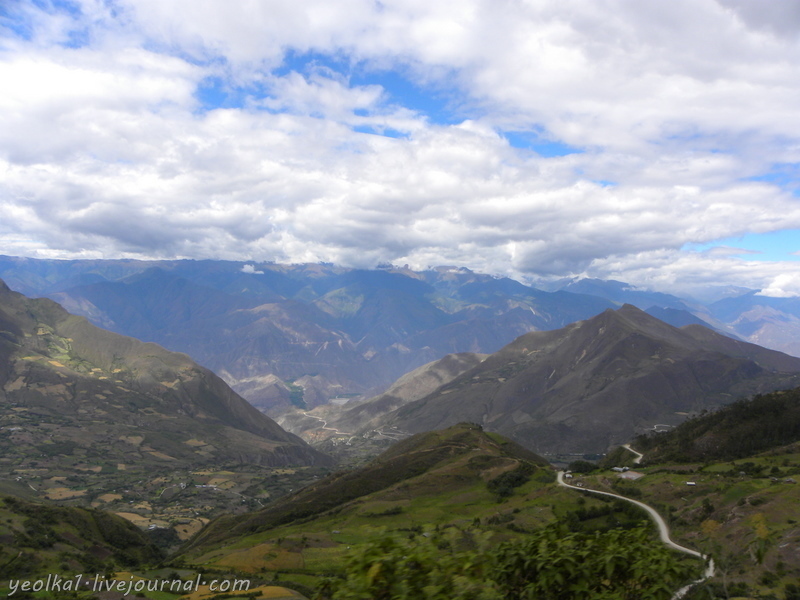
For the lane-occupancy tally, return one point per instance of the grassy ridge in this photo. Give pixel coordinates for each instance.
(408, 459)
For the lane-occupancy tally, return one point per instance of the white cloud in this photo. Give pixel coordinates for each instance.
(786, 285)
(105, 148)
(251, 270)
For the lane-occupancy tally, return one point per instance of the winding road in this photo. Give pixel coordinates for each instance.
(639, 455)
(663, 531)
(325, 424)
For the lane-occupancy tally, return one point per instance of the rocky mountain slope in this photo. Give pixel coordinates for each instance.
(77, 393)
(331, 420)
(598, 382)
(772, 322)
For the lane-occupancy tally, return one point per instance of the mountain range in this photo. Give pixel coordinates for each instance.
(302, 335)
(284, 335)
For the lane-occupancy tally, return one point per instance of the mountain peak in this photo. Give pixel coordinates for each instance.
(598, 382)
(630, 308)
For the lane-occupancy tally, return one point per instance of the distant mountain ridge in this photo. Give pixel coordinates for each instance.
(302, 334)
(284, 335)
(763, 320)
(598, 382)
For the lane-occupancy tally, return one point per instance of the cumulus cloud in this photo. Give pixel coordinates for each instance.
(251, 270)
(332, 143)
(785, 285)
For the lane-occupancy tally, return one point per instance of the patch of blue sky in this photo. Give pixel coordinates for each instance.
(774, 246)
(214, 92)
(16, 16)
(77, 38)
(17, 21)
(384, 131)
(310, 62)
(438, 103)
(533, 140)
(784, 175)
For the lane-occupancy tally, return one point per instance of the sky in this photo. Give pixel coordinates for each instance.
(651, 142)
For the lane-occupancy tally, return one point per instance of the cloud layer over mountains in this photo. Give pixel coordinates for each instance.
(545, 139)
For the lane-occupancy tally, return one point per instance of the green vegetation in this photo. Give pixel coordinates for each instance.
(476, 488)
(296, 394)
(581, 466)
(552, 563)
(739, 430)
(503, 485)
(741, 512)
(438, 463)
(39, 538)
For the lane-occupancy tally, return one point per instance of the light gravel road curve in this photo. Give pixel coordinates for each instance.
(663, 532)
(639, 455)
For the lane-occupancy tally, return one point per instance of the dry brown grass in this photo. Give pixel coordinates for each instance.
(141, 521)
(187, 530)
(136, 440)
(161, 455)
(109, 497)
(62, 493)
(222, 483)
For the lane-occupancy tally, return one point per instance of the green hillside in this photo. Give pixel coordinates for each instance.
(458, 460)
(38, 538)
(736, 431)
(443, 495)
(742, 512)
(441, 500)
(728, 481)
